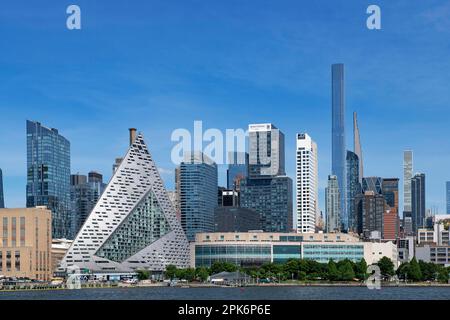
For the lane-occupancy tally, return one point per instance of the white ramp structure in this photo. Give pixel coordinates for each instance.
(133, 226)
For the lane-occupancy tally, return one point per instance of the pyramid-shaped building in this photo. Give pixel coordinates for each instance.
(133, 226)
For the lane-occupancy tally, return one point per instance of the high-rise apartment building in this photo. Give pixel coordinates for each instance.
(84, 194)
(418, 201)
(338, 167)
(133, 226)
(407, 176)
(2, 198)
(272, 199)
(370, 207)
(48, 175)
(237, 169)
(307, 180)
(332, 207)
(353, 187)
(198, 193)
(25, 248)
(391, 219)
(447, 196)
(266, 151)
(267, 190)
(357, 148)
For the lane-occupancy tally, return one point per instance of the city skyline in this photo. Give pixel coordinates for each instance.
(288, 84)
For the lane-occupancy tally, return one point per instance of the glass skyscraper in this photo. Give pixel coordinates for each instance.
(272, 199)
(237, 169)
(353, 188)
(48, 175)
(2, 199)
(370, 218)
(197, 194)
(268, 190)
(418, 201)
(266, 151)
(84, 194)
(338, 167)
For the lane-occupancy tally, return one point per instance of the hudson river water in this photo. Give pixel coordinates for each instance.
(245, 293)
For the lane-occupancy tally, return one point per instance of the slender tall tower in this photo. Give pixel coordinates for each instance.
(447, 196)
(338, 167)
(418, 201)
(407, 175)
(357, 149)
(2, 201)
(332, 205)
(307, 184)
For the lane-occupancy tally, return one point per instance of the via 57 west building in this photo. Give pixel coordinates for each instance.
(133, 225)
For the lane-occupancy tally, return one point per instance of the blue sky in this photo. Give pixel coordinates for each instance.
(160, 65)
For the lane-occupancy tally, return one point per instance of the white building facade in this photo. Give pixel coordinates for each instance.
(133, 225)
(307, 195)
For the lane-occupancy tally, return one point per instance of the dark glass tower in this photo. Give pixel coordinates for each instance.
(338, 167)
(198, 194)
(84, 194)
(418, 201)
(2, 199)
(237, 169)
(48, 175)
(267, 190)
(353, 188)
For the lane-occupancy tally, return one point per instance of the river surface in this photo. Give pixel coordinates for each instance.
(246, 293)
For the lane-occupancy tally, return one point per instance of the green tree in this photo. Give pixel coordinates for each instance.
(345, 271)
(443, 275)
(314, 267)
(220, 266)
(143, 274)
(180, 273)
(303, 265)
(333, 273)
(202, 274)
(302, 276)
(429, 270)
(360, 269)
(386, 267)
(402, 271)
(189, 274)
(291, 268)
(230, 267)
(414, 272)
(171, 271)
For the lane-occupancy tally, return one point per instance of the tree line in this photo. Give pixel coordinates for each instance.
(311, 270)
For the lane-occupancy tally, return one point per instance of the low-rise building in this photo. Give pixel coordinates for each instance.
(374, 251)
(257, 248)
(59, 250)
(405, 248)
(26, 242)
(434, 253)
